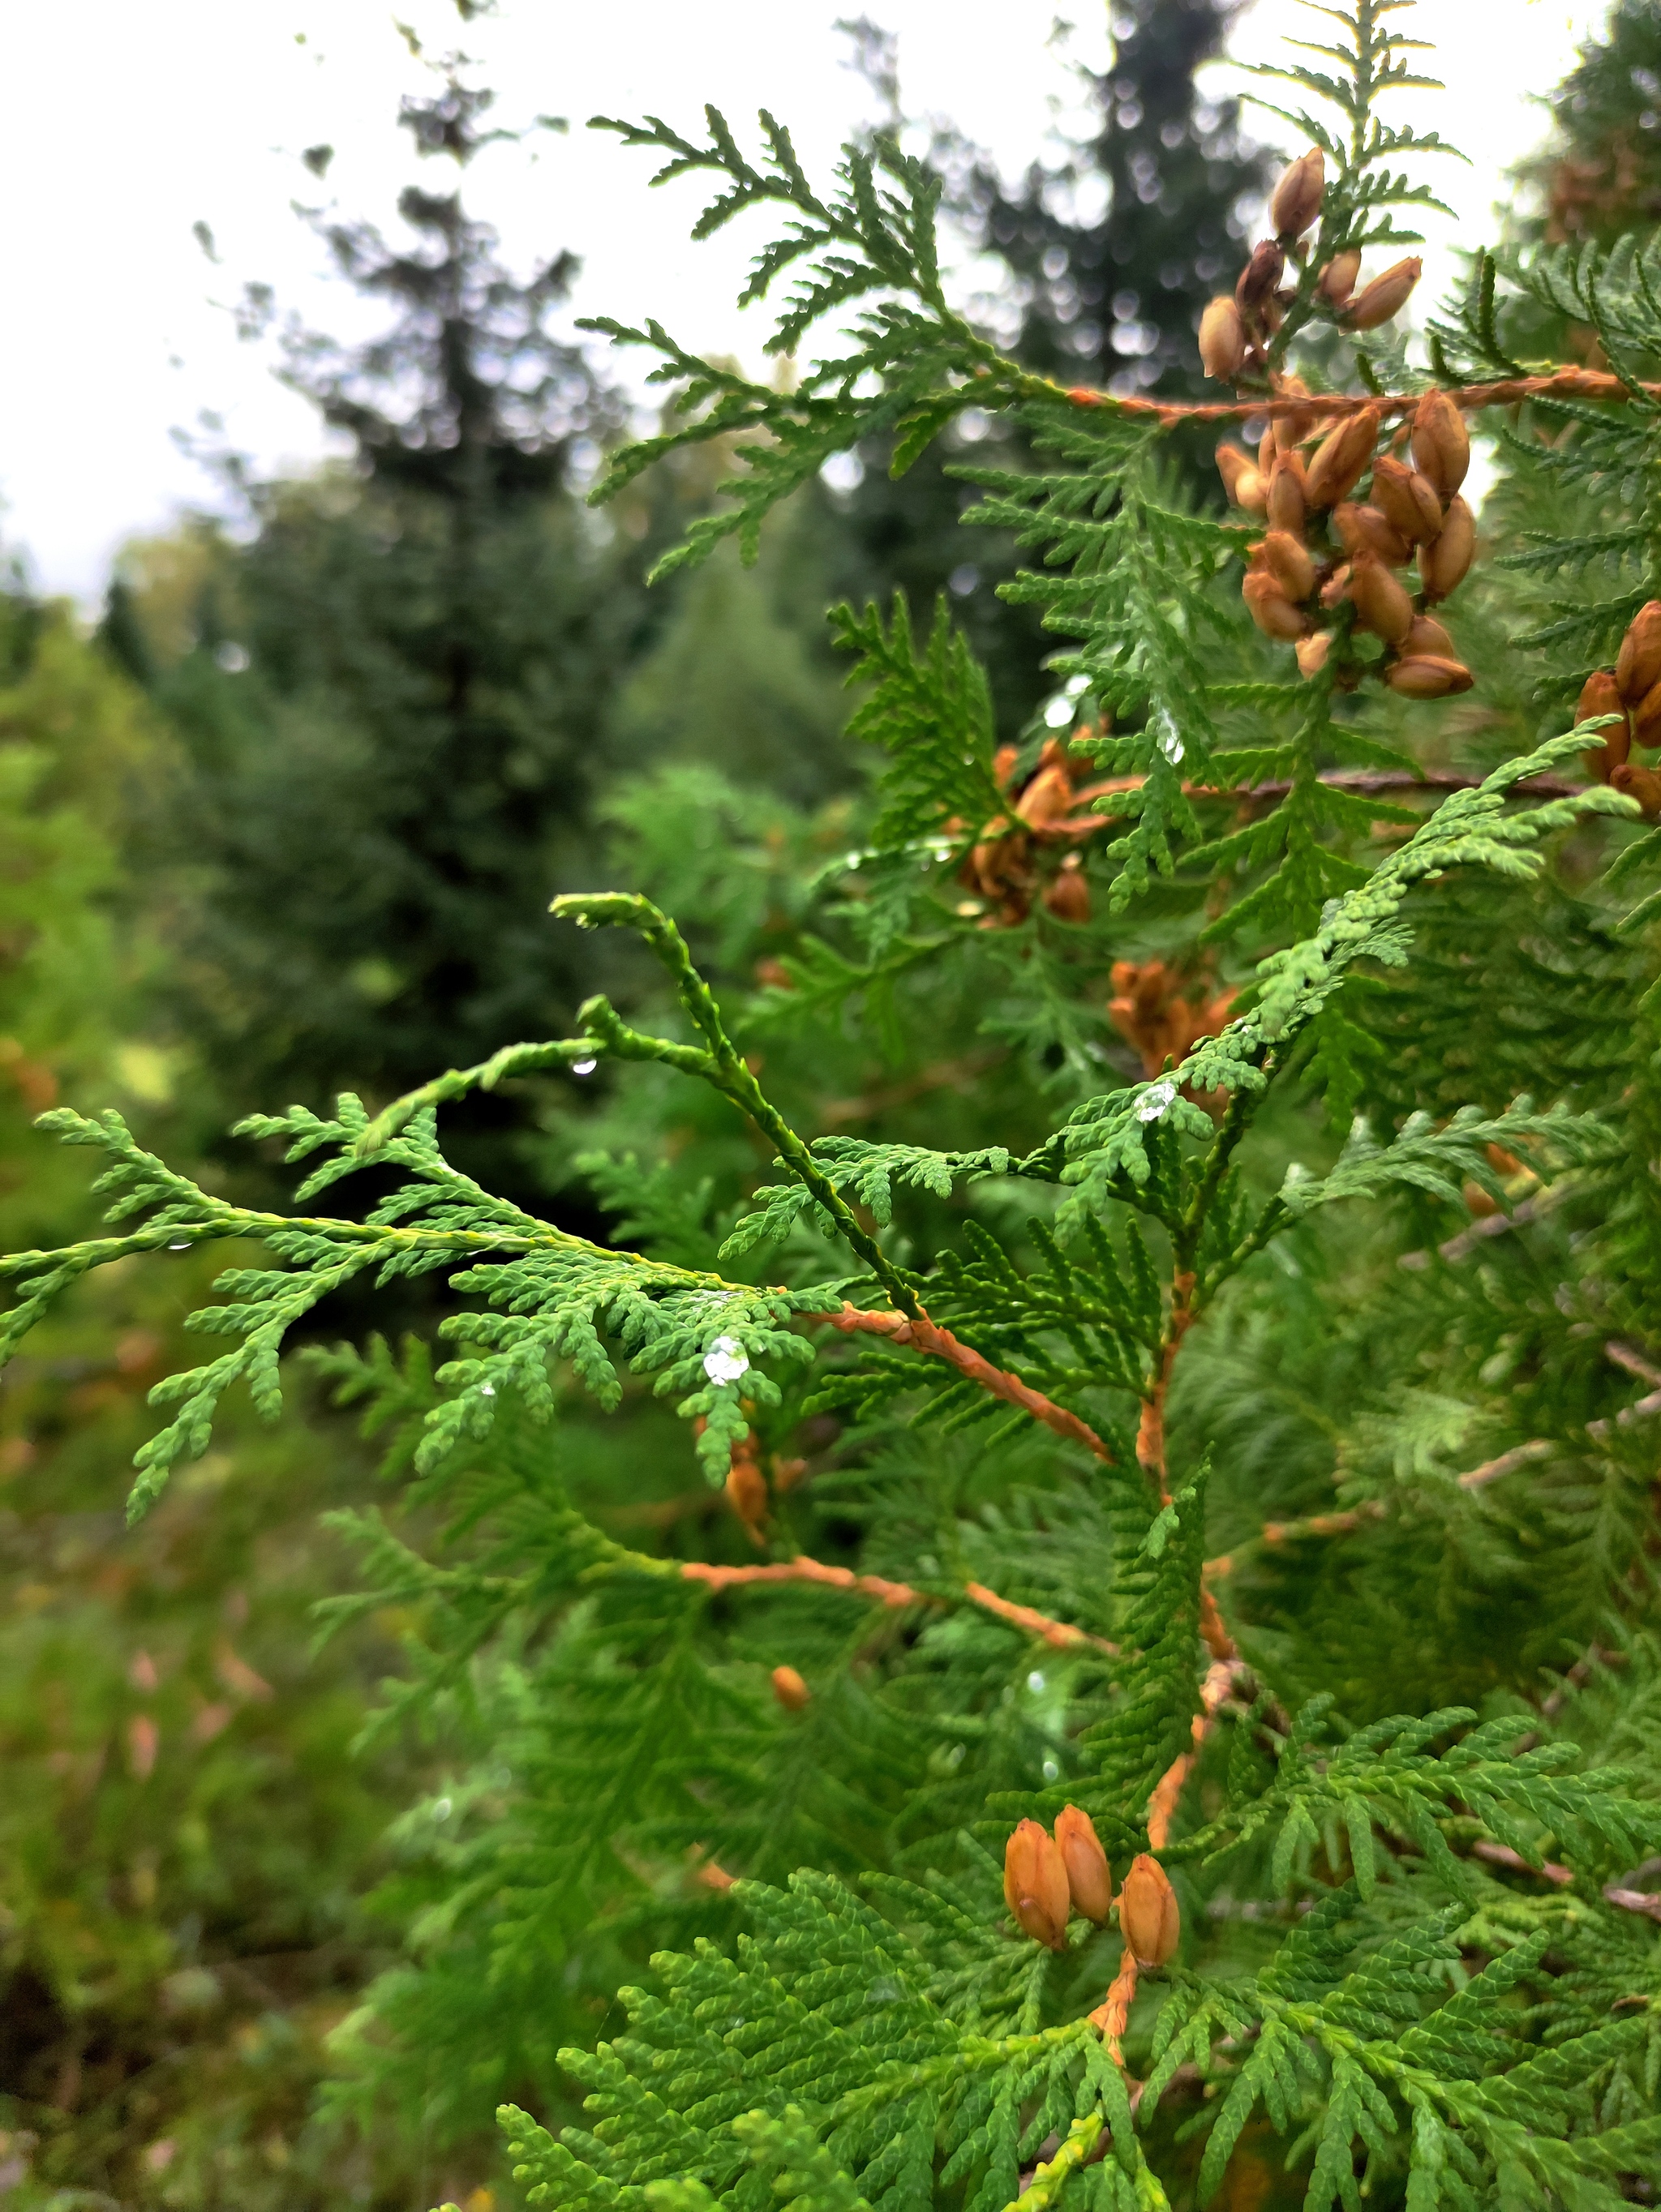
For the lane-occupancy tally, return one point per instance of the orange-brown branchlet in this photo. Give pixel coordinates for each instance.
(1035, 1885)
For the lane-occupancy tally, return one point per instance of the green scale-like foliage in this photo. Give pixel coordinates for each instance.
(1356, 1277)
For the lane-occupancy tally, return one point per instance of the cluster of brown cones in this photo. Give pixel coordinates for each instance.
(1326, 547)
(1047, 1879)
(1632, 689)
(1003, 868)
(1236, 328)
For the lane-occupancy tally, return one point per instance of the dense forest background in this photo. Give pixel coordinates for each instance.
(288, 821)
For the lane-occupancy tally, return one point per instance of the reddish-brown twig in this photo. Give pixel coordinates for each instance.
(1060, 1635)
(1510, 392)
(923, 1335)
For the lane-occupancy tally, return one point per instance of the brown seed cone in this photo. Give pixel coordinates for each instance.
(1443, 562)
(1640, 783)
(1427, 636)
(1222, 339)
(1068, 897)
(1286, 506)
(1150, 1919)
(1289, 563)
(1296, 200)
(1646, 717)
(1380, 602)
(1638, 664)
(1385, 297)
(1335, 590)
(1047, 798)
(1429, 675)
(791, 1693)
(1340, 459)
(1270, 608)
(1233, 462)
(1312, 653)
(1365, 530)
(1601, 695)
(1408, 499)
(1338, 279)
(1441, 443)
(1259, 277)
(1035, 1885)
(1088, 1875)
(746, 1489)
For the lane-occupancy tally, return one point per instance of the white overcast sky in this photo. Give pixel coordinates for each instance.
(128, 123)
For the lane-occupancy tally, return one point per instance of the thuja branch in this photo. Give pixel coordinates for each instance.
(457, 1082)
(1507, 392)
(1059, 1635)
(918, 1331)
(719, 1063)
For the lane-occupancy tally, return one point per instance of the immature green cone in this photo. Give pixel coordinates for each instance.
(1441, 443)
(1296, 200)
(1385, 297)
(1638, 664)
(1089, 1877)
(1035, 1887)
(1150, 1919)
(1222, 339)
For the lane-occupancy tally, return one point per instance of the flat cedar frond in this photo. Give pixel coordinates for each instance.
(1159, 1656)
